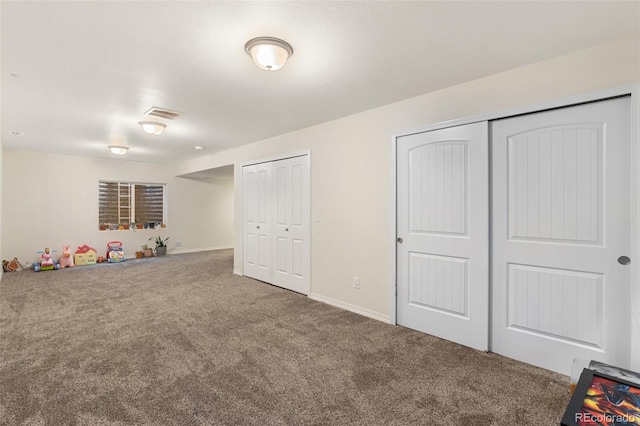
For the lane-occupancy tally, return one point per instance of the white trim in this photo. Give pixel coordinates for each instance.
(393, 315)
(351, 308)
(634, 90)
(310, 222)
(183, 251)
(276, 158)
(237, 272)
(172, 252)
(635, 225)
(526, 109)
(238, 214)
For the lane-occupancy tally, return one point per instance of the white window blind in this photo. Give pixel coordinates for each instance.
(126, 202)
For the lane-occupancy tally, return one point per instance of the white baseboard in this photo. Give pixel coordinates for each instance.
(183, 251)
(351, 308)
(178, 251)
(237, 272)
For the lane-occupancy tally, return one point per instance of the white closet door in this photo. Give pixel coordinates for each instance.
(257, 205)
(291, 224)
(561, 185)
(443, 220)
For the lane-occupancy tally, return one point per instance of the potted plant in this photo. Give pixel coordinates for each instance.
(147, 250)
(161, 245)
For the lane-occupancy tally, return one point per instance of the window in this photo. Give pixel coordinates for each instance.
(122, 203)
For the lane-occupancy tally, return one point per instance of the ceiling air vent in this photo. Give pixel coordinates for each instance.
(163, 113)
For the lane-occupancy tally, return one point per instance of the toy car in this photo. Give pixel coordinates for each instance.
(46, 263)
(38, 267)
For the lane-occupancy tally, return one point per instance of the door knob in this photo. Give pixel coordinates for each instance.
(400, 240)
(624, 260)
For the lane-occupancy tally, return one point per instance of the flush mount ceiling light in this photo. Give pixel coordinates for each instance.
(268, 53)
(152, 127)
(118, 149)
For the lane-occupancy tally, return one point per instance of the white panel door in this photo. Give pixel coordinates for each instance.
(561, 220)
(290, 249)
(443, 228)
(257, 205)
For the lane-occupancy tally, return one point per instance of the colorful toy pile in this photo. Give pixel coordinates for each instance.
(84, 255)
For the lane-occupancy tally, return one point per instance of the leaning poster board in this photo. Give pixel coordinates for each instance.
(604, 400)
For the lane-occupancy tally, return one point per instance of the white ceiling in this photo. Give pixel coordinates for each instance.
(76, 74)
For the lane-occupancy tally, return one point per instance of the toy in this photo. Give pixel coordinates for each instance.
(100, 259)
(115, 253)
(13, 265)
(66, 260)
(85, 255)
(45, 258)
(46, 262)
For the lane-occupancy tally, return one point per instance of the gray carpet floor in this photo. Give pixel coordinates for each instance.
(182, 341)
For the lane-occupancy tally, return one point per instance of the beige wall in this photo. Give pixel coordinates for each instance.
(351, 160)
(51, 200)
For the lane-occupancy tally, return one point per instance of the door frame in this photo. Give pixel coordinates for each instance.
(240, 208)
(634, 91)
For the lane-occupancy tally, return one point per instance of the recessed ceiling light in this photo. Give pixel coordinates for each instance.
(16, 133)
(198, 147)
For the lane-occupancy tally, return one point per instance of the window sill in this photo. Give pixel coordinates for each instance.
(133, 229)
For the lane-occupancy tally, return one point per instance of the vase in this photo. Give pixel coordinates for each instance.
(161, 251)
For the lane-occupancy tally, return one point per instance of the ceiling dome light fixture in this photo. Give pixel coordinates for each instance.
(268, 53)
(118, 149)
(152, 127)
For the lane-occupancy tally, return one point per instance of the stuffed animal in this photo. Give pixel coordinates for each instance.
(45, 258)
(66, 259)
